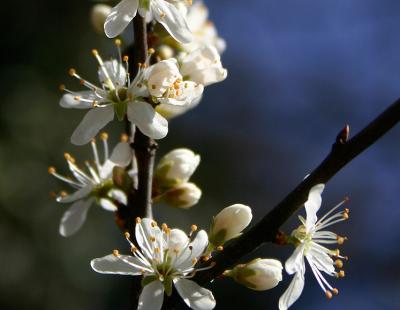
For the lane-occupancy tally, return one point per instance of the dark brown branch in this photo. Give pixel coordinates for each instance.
(342, 153)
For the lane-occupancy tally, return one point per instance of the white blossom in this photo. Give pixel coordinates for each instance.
(311, 238)
(229, 223)
(204, 31)
(203, 66)
(165, 12)
(176, 167)
(182, 196)
(165, 257)
(258, 274)
(91, 185)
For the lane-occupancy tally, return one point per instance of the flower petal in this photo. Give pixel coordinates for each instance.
(122, 264)
(116, 72)
(107, 204)
(152, 296)
(91, 124)
(149, 122)
(74, 217)
(172, 19)
(293, 292)
(195, 296)
(69, 101)
(295, 262)
(79, 194)
(120, 16)
(313, 204)
(121, 156)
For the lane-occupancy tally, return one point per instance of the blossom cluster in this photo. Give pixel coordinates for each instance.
(184, 59)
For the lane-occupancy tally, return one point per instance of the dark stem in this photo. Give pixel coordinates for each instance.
(342, 153)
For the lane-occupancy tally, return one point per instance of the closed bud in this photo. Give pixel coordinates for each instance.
(176, 168)
(229, 223)
(259, 274)
(182, 196)
(98, 16)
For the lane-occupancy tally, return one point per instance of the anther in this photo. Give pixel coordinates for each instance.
(152, 239)
(116, 253)
(328, 294)
(206, 258)
(164, 227)
(51, 170)
(335, 291)
(220, 248)
(339, 263)
(194, 261)
(124, 137)
(193, 228)
(127, 235)
(72, 72)
(341, 274)
(53, 195)
(104, 136)
(117, 42)
(125, 58)
(154, 224)
(61, 87)
(138, 220)
(151, 51)
(157, 250)
(346, 216)
(63, 194)
(340, 240)
(95, 52)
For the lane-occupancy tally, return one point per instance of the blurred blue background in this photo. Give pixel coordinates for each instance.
(298, 72)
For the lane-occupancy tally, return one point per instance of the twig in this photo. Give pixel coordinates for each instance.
(343, 151)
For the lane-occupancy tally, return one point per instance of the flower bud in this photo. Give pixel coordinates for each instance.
(176, 168)
(182, 196)
(98, 16)
(259, 274)
(229, 223)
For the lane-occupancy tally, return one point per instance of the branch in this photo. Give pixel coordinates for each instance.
(343, 151)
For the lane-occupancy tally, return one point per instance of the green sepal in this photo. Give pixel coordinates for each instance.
(147, 280)
(120, 110)
(168, 286)
(144, 4)
(218, 238)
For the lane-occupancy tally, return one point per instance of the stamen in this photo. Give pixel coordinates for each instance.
(193, 228)
(341, 274)
(51, 170)
(339, 263)
(116, 253)
(124, 137)
(220, 248)
(138, 220)
(328, 294)
(335, 291)
(127, 235)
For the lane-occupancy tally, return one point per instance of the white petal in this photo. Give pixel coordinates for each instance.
(170, 111)
(118, 195)
(196, 248)
(295, 262)
(149, 122)
(69, 101)
(120, 16)
(74, 217)
(79, 194)
(313, 204)
(293, 292)
(195, 296)
(91, 124)
(106, 204)
(121, 156)
(152, 296)
(144, 231)
(177, 240)
(123, 264)
(172, 19)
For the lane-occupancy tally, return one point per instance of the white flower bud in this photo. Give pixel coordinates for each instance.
(259, 274)
(165, 52)
(162, 76)
(183, 196)
(204, 66)
(98, 16)
(176, 167)
(229, 223)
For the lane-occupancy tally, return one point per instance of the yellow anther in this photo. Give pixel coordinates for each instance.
(125, 58)
(118, 42)
(127, 235)
(339, 263)
(220, 248)
(153, 86)
(72, 72)
(162, 15)
(157, 250)
(138, 220)
(164, 227)
(152, 239)
(104, 136)
(151, 51)
(346, 216)
(51, 170)
(63, 194)
(95, 52)
(53, 195)
(340, 240)
(335, 291)
(94, 103)
(133, 249)
(193, 227)
(61, 87)
(328, 294)
(124, 137)
(341, 274)
(347, 210)
(206, 258)
(194, 261)
(116, 253)
(154, 224)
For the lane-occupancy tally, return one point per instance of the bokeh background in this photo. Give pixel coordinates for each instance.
(298, 71)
